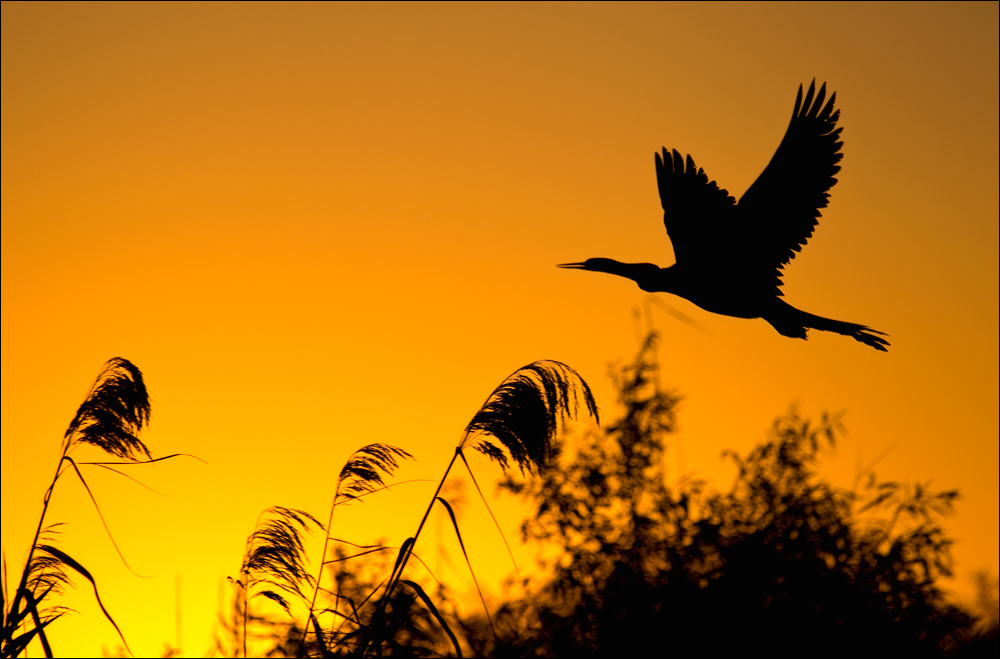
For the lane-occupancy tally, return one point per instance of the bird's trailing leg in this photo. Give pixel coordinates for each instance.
(789, 321)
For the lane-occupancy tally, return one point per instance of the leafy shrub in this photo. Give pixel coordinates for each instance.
(782, 564)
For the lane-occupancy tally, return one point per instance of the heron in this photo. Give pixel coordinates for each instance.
(729, 256)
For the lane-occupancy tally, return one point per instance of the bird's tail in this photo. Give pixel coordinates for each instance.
(789, 321)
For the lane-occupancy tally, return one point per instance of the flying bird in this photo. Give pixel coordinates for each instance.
(730, 255)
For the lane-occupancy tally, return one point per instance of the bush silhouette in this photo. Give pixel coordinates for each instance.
(783, 564)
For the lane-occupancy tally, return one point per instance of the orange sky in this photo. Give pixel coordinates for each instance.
(319, 226)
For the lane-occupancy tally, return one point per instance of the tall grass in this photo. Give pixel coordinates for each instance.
(111, 417)
(782, 559)
(523, 414)
(274, 563)
(517, 423)
(361, 475)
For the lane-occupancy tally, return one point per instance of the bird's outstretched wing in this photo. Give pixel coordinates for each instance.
(696, 212)
(778, 213)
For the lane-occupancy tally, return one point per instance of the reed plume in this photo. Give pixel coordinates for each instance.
(363, 473)
(111, 417)
(525, 411)
(523, 414)
(275, 555)
(114, 412)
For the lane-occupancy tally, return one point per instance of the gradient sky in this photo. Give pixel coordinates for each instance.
(319, 226)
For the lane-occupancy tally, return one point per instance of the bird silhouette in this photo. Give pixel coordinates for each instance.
(729, 256)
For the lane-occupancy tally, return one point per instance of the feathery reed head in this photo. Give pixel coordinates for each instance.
(275, 554)
(363, 472)
(115, 410)
(524, 413)
(46, 572)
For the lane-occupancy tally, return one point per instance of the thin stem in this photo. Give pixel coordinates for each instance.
(323, 562)
(38, 531)
(416, 536)
(246, 605)
(319, 576)
(490, 511)
(397, 572)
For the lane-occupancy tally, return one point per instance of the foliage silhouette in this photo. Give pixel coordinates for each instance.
(782, 564)
(730, 256)
(413, 624)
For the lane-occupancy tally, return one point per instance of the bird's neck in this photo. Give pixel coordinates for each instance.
(649, 277)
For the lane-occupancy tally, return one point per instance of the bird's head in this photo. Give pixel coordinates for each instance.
(595, 265)
(644, 274)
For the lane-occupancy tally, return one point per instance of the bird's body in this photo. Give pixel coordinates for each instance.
(729, 255)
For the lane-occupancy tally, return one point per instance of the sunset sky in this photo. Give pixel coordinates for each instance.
(317, 226)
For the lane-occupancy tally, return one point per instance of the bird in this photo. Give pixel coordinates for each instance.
(729, 255)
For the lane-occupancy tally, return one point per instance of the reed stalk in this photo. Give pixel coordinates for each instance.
(523, 413)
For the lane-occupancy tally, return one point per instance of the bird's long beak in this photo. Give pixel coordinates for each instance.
(573, 266)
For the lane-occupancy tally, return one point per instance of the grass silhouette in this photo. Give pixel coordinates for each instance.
(519, 419)
(110, 418)
(783, 563)
(523, 414)
(361, 475)
(274, 564)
